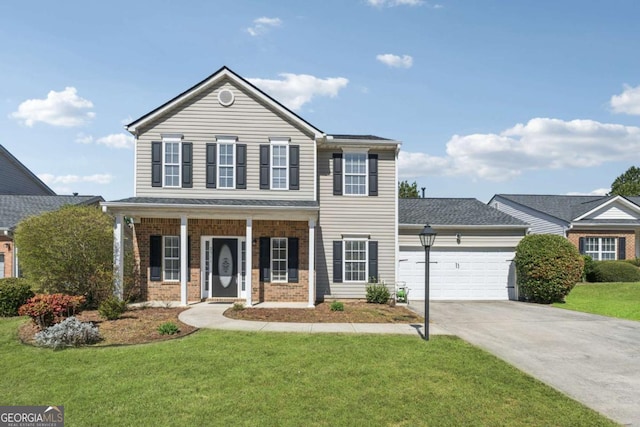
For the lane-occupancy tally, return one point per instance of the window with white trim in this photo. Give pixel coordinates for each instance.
(226, 165)
(279, 166)
(355, 174)
(279, 259)
(171, 258)
(601, 248)
(355, 260)
(171, 166)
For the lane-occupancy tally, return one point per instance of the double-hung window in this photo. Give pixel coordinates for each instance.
(226, 164)
(171, 258)
(355, 260)
(279, 259)
(355, 174)
(600, 248)
(171, 163)
(279, 166)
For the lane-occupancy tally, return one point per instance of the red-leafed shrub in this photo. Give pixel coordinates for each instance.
(46, 310)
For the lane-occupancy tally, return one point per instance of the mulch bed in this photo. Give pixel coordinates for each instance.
(354, 312)
(136, 326)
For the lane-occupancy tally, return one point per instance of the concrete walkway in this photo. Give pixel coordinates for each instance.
(593, 359)
(209, 315)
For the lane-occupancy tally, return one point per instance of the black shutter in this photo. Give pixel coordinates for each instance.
(188, 258)
(337, 174)
(156, 164)
(294, 167)
(187, 165)
(155, 258)
(337, 261)
(581, 245)
(373, 174)
(264, 167)
(265, 259)
(292, 259)
(241, 166)
(622, 248)
(211, 165)
(373, 260)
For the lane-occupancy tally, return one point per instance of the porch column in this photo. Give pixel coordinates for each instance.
(248, 260)
(312, 263)
(184, 265)
(118, 257)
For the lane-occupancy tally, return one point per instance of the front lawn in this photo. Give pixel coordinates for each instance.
(236, 378)
(620, 300)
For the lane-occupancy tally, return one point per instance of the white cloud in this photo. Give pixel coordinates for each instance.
(51, 179)
(392, 3)
(596, 192)
(81, 138)
(295, 90)
(64, 108)
(628, 101)
(404, 61)
(263, 25)
(116, 140)
(542, 143)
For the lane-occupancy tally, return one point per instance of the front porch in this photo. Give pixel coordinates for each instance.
(228, 257)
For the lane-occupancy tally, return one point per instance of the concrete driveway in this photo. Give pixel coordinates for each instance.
(593, 359)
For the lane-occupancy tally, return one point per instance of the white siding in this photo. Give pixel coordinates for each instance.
(200, 120)
(616, 211)
(540, 223)
(374, 216)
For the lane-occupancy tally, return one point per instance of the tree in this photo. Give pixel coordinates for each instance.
(68, 251)
(408, 191)
(627, 184)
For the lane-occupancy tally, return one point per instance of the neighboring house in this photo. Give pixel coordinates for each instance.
(604, 227)
(239, 198)
(16, 179)
(15, 208)
(472, 256)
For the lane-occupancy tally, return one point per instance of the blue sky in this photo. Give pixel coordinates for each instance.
(486, 96)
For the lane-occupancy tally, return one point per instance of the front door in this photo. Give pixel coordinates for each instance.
(224, 268)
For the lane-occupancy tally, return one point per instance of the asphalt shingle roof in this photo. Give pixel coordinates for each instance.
(364, 137)
(566, 208)
(219, 202)
(454, 211)
(14, 209)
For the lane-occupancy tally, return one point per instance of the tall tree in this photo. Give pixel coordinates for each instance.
(627, 184)
(408, 191)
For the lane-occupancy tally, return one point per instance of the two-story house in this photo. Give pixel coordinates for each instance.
(239, 198)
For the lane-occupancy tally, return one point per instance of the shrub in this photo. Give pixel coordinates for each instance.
(377, 293)
(237, 306)
(588, 267)
(112, 308)
(69, 333)
(548, 267)
(614, 271)
(336, 306)
(168, 328)
(45, 310)
(635, 261)
(14, 292)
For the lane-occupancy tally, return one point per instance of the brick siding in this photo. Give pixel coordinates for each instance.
(630, 236)
(170, 291)
(8, 255)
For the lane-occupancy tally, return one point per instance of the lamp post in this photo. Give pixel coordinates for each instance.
(427, 237)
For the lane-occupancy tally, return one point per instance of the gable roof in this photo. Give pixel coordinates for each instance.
(14, 209)
(453, 211)
(565, 208)
(221, 74)
(16, 178)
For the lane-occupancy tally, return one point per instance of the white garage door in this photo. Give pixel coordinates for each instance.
(459, 275)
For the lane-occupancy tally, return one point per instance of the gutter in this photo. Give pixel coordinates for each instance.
(182, 206)
(465, 227)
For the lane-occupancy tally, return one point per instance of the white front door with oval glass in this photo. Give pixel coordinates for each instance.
(222, 266)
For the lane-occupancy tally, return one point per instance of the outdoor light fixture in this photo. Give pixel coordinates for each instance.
(427, 237)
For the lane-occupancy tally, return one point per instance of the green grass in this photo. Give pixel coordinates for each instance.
(620, 300)
(256, 379)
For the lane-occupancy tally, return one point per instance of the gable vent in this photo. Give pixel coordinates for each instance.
(225, 97)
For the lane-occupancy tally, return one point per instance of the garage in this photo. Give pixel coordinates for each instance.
(459, 274)
(472, 257)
